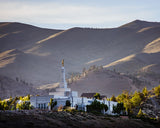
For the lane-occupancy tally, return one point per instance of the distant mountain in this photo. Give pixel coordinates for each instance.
(15, 35)
(34, 54)
(139, 24)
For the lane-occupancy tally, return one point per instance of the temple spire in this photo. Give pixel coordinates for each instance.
(63, 63)
(64, 84)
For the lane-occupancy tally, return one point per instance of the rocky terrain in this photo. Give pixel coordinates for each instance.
(41, 119)
(151, 107)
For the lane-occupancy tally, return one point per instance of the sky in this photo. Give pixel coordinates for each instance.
(65, 14)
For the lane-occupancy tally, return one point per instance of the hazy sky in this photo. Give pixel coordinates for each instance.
(64, 14)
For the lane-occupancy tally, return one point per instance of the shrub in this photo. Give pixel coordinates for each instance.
(97, 96)
(113, 98)
(52, 103)
(13, 108)
(140, 113)
(96, 106)
(157, 91)
(24, 105)
(119, 108)
(145, 91)
(136, 99)
(68, 103)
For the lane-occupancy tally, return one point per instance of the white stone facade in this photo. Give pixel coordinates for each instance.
(40, 102)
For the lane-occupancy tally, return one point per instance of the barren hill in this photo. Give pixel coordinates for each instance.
(138, 24)
(105, 82)
(18, 87)
(34, 54)
(15, 35)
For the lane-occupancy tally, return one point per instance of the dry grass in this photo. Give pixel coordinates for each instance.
(67, 120)
(153, 47)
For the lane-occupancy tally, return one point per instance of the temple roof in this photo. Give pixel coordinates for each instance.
(91, 95)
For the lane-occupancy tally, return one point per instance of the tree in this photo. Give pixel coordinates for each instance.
(68, 103)
(96, 106)
(136, 99)
(20, 98)
(113, 98)
(127, 104)
(25, 105)
(140, 113)
(26, 98)
(13, 107)
(17, 79)
(119, 108)
(14, 101)
(52, 103)
(1, 105)
(157, 91)
(84, 70)
(104, 106)
(125, 95)
(145, 91)
(5, 105)
(97, 96)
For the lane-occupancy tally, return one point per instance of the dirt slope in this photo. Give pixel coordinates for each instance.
(34, 54)
(10, 87)
(105, 82)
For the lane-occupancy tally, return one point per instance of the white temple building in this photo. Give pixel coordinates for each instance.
(62, 94)
(63, 91)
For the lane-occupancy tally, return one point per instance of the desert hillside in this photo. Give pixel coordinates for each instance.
(15, 35)
(34, 54)
(106, 82)
(13, 88)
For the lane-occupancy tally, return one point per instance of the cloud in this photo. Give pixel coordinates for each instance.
(70, 13)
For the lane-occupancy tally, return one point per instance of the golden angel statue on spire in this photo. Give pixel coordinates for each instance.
(63, 63)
